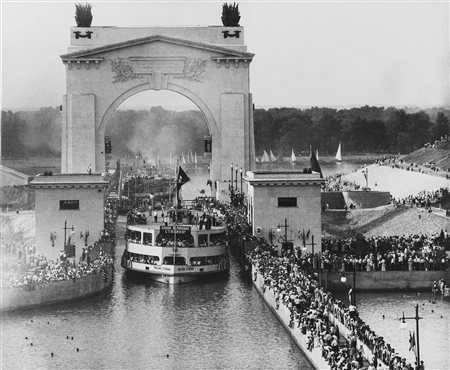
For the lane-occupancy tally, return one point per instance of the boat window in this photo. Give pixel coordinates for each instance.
(148, 238)
(143, 258)
(202, 240)
(217, 239)
(178, 261)
(168, 240)
(202, 261)
(134, 236)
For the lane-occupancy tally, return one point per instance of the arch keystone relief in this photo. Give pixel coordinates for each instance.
(180, 59)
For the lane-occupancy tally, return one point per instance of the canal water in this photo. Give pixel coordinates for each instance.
(222, 324)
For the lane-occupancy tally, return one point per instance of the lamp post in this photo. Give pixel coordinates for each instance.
(403, 325)
(231, 170)
(344, 280)
(152, 197)
(65, 228)
(285, 226)
(366, 175)
(241, 180)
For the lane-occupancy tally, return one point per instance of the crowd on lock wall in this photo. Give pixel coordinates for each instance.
(310, 307)
(35, 270)
(387, 253)
(423, 199)
(338, 183)
(429, 167)
(29, 269)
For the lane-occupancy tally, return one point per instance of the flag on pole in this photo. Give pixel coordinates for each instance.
(314, 163)
(182, 178)
(412, 343)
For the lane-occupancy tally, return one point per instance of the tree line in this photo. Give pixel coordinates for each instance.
(361, 130)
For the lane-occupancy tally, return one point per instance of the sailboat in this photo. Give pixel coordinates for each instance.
(265, 157)
(195, 158)
(183, 160)
(317, 154)
(272, 157)
(338, 157)
(293, 157)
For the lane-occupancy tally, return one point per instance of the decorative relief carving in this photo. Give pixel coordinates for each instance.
(228, 34)
(123, 69)
(193, 68)
(130, 68)
(86, 35)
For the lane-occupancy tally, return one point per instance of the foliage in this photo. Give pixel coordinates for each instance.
(31, 133)
(230, 15)
(361, 130)
(83, 15)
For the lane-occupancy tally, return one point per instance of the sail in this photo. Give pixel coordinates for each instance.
(195, 158)
(293, 157)
(317, 154)
(338, 154)
(183, 160)
(265, 157)
(272, 157)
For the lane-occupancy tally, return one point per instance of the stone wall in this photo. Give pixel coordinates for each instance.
(362, 199)
(384, 281)
(17, 298)
(283, 314)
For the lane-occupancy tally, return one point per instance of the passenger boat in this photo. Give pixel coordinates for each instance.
(190, 247)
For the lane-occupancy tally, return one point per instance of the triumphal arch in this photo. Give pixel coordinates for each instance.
(107, 65)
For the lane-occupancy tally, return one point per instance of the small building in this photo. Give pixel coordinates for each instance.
(285, 206)
(68, 207)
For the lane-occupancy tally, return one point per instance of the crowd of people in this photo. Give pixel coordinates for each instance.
(30, 269)
(39, 270)
(424, 199)
(387, 253)
(313, 311)
(338, 183)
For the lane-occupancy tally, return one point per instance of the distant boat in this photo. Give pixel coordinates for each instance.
(265, 157)
(272, 157)
(293, 157)
(338, 157)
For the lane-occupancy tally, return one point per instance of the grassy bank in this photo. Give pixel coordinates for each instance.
(385, 220)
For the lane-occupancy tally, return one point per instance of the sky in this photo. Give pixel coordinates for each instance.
(332, 53)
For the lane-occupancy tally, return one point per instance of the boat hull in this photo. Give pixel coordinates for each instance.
(169, 274)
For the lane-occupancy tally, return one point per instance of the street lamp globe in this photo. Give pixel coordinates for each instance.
(343, 279)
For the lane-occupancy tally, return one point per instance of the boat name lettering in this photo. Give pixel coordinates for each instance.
(185, 269)
(176, 229)
(162, 268)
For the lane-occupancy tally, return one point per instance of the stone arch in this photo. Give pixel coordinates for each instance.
(207, 65)
(209, 118)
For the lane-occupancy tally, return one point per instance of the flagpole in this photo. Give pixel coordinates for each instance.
(417, 331)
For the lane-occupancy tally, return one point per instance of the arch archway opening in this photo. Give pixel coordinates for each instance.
(150, 133)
